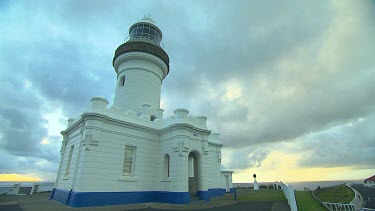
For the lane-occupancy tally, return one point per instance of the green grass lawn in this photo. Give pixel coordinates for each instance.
(265, 195)
(339, 193)
(306, 202)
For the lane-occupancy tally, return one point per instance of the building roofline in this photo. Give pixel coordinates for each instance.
(370, 178)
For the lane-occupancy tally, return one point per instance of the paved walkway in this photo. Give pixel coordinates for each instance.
(358, 202)
(37, 202)
(368, 195)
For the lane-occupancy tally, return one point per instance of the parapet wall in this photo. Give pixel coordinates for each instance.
(147, 116)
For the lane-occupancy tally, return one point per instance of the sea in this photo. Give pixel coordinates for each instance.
(312, 185)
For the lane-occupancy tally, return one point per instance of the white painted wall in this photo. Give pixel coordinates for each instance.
(144, 74)
(103, 134)
(66, 181)
(100, 135)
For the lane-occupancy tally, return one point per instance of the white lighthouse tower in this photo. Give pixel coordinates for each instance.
(141, 65)
(128, 153)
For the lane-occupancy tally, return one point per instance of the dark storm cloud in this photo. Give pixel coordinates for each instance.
(20, 125)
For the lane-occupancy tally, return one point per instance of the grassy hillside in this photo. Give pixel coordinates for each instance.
(306, 202)
(339, 193)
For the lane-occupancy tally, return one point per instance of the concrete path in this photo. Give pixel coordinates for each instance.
(10, 205)
(358, 202)
(37, 202)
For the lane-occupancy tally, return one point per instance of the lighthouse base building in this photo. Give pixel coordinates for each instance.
(128, 152)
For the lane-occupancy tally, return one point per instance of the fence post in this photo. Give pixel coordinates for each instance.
(290, 196)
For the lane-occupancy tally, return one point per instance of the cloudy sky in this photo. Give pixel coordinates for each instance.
(290, 85)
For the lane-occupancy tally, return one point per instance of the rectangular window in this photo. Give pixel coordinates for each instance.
(69, 160)
(129, 160)
(166, 165)
(122, 81)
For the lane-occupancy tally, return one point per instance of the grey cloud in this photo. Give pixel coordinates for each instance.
(21, 124)
(247, 158)
(348, 145)
(327, 98)
(242, 39)
(7, 163)
(42, 168)
(22, 132)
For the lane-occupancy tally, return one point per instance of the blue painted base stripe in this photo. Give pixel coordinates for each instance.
(216, 192)
(203, 195)
(87, 199)
(173, 197)
(60, 195)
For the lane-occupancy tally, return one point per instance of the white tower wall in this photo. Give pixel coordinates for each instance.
(144, 74)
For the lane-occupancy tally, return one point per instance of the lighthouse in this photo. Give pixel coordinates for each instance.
(128, 152)
(141, 65)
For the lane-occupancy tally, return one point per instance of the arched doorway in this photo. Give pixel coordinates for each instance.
(193, 173)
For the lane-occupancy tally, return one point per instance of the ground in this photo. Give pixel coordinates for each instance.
(37, 202)
(306, 202)
(262, 195)
(368, 195)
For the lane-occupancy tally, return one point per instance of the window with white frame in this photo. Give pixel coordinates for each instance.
(129, 160)
(166, 165)
(69, 160)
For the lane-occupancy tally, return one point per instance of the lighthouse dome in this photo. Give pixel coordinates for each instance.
(147, 20)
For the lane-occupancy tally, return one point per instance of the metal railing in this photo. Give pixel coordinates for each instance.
(127, 38)
(338, 206)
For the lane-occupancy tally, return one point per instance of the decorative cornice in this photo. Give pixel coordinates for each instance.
(184, 126)
(74, 126)
(94, 115)
(117, 121)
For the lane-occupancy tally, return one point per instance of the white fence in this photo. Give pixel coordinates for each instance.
(338, 206)
(289, 194)
(25, 188)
